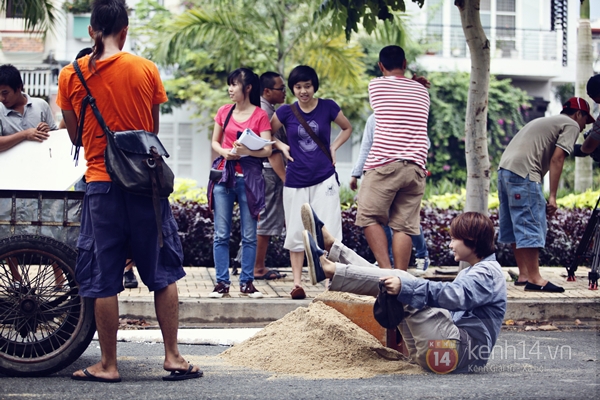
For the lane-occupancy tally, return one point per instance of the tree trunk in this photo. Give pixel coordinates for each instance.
(476, 144)
(583, 166)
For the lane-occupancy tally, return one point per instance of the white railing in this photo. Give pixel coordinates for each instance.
(537, 45)
(37, 82)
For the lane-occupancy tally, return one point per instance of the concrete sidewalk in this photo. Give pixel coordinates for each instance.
(196, 309)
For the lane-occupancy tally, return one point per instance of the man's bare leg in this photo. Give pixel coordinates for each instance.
(59, 277)
(166, 304)
(328, 266)
(528, 261)
(521, 264)
(379, 245)
(401, 247)
(262, 244)
(106, 311)
(328, 239)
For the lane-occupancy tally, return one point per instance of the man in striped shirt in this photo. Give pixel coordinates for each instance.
(394, 179)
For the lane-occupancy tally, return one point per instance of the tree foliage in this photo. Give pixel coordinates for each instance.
(38, 15)
(211, 38)
(448, 93)
(349, 15)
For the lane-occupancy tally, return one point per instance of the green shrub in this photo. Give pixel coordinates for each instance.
(188, 190)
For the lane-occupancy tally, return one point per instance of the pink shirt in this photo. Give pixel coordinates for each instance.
(258, 122)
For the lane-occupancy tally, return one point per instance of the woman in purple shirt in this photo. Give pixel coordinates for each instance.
(310, 175)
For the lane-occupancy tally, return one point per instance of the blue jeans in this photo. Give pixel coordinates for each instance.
(418, 242)
(522, 218)
(224, 200)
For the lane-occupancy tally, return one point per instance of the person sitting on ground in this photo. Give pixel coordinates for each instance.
(468, 310)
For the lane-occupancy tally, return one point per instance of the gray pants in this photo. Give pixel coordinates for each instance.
(354, 274)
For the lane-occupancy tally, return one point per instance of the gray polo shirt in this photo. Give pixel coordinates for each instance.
(36, 111)
(530, 151)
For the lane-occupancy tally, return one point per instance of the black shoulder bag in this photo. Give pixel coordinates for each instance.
(217, 174)
(133, 159)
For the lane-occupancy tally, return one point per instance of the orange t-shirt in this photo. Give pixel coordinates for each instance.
(125, 87)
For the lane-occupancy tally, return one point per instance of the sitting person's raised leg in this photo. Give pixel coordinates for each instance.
(474, 301)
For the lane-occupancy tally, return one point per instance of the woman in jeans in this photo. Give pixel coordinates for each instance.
(242, 178)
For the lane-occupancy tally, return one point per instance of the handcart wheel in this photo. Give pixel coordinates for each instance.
(44, 324)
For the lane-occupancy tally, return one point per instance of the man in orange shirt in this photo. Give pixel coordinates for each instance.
(128, 92)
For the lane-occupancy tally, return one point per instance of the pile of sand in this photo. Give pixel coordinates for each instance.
(318, 342)
(343, 296)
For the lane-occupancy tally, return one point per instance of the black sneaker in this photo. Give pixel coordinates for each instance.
(313, 254)
(248, 289)
(221, 289)
(548, 288)
(129, 280)
(312, 224)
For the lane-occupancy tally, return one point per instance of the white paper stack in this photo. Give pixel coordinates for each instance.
(252, 141)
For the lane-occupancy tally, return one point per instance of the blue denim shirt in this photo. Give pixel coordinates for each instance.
(476, 299)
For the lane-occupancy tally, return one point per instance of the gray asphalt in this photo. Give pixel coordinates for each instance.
(548, 365)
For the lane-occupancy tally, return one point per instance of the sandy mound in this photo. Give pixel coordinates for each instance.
(343, 296)
(318, 342)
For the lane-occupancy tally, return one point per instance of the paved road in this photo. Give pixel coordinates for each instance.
(549, 365)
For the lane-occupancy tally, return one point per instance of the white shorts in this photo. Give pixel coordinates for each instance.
(324, 198)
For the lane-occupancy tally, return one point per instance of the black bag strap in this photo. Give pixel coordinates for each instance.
(227, 121)
(91, 101)
(311, 133)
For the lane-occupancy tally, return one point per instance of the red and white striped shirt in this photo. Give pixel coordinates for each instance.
(401, 108)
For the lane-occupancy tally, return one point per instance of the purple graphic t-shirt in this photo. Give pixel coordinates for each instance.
(311, 166)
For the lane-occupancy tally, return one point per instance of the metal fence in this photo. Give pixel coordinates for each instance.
(518, 44)
(37, 82)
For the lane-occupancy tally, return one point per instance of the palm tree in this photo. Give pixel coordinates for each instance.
(265, 35)
(38, 15)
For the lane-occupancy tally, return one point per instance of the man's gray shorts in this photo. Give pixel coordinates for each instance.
(272, 218)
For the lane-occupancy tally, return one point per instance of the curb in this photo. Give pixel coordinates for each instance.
(217, 312)
(260, 312)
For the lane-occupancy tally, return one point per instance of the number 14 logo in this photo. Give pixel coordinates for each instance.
(442, 357)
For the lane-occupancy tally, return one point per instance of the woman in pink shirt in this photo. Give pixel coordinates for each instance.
(242, 179)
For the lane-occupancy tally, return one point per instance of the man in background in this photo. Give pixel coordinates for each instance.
(539, 147)
(21, 117)
(394, 178)
(271, 219)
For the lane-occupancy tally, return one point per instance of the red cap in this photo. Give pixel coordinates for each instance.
(577, 103)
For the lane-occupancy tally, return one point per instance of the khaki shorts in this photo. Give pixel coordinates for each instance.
(391, 195)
